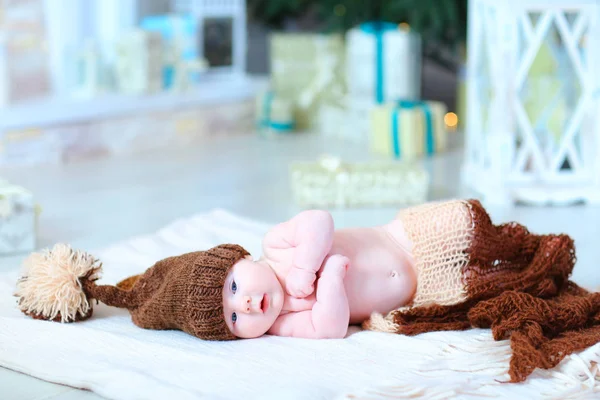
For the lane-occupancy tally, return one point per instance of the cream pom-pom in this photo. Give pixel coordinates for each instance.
(51, 285)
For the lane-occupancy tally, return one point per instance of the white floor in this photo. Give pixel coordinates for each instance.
(94, 203)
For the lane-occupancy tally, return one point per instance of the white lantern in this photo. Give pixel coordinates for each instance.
(533, 133)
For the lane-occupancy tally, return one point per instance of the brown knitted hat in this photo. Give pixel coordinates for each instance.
(183, 292)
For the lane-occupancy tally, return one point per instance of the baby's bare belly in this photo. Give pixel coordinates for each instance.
(381, 276)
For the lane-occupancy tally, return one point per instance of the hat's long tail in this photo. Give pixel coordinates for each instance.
(110, 295)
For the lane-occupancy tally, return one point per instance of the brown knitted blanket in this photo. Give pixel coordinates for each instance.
(513, 281)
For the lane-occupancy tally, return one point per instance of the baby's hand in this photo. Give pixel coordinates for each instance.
(330, 314)
(300, 244)
(335, 266)
(300, 282)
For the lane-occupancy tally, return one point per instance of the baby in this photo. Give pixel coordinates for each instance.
(312, 281)
(437, 266)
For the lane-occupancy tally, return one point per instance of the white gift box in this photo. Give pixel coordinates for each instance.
(349, 120)
(383, 63)
(18, 215)
(139, 66)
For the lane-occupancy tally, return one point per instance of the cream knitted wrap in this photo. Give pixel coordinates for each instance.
(441, 233)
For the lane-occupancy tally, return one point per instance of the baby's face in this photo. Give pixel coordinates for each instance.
(252, 298)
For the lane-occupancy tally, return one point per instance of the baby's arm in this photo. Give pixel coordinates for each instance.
(304, 240)
(330, 315)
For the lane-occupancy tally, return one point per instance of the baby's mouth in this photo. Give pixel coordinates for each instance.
(264, 303)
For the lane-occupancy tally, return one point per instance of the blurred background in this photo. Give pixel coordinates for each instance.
(143, 111)
(68, 63)
(121, 117)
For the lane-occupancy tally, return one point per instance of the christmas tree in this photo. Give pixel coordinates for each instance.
(442, 24)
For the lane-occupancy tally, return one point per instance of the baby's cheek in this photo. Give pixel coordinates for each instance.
(250, 327)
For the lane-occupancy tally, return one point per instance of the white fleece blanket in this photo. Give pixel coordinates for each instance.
(109, 355)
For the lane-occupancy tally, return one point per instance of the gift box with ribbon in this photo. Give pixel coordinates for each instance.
(179, 34)
(383, 62)
(274, 115)
(408, 129)
(307, 69)
(18, 219)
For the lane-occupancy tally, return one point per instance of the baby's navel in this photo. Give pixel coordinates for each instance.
(393, 274)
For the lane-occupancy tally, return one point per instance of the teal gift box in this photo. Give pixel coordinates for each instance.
(179, 33)
(408, 129)
(274, 114)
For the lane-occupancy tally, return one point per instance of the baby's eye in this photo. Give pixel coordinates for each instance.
(234, 317)
(233, 286)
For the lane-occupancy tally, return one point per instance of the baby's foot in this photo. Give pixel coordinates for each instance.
(335, 266)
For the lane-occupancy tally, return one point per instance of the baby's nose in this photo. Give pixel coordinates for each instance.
(246, 305)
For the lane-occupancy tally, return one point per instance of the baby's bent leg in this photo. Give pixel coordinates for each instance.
(331, 312)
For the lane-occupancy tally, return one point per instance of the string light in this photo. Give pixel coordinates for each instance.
(451, 120)
(404, 26)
